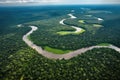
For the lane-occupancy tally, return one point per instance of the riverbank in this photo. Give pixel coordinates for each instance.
(78, 30)
(60, 56)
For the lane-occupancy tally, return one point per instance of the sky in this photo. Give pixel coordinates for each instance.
(42, 2)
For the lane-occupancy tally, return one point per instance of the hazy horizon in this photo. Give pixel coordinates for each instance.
(58, 2)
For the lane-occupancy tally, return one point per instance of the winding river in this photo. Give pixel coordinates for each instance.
(76, 28)
(60, 56)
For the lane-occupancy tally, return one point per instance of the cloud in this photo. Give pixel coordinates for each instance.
(28, 1)
(50, 1)
(63, 1)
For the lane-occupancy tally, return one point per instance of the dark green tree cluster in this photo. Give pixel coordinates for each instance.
(96, 64)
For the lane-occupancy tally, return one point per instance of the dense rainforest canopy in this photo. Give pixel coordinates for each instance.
(20, 62)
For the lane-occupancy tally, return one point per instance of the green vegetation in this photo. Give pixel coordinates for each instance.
(56, 51)
(47, 35)
(19, 62)
(97, 25)
(70, 32)
(28, 64)
(104, 44)
(65, 33)
(81, 31)
(89, 24)
(29, 37)
(81, 21)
